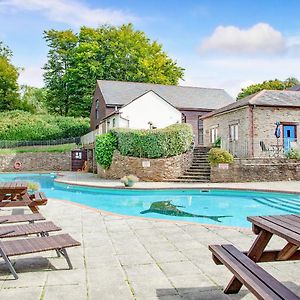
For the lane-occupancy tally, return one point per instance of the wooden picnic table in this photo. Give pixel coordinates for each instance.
(286, 227)
(14, 194)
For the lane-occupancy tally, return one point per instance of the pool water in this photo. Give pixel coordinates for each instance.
(223, 207)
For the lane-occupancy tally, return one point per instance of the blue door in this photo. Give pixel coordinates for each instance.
(289, 135)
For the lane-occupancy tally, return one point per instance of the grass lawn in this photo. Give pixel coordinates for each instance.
(52, 148)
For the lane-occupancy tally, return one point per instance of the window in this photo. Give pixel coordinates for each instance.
(213, 134)
(114, 122)
(97, 109)
(183, 118)
(200, 131)
(233, 132)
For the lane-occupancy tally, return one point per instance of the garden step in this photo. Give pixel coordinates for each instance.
(189, 180)
(194, 177)
(197, 172)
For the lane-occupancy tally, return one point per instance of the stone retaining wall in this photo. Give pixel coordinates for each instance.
(244, 170)
(36, 161)
(147, 169)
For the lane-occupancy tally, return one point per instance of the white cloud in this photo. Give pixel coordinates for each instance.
(260, 38)
(235, 73)
(32, 75)
(71, 12)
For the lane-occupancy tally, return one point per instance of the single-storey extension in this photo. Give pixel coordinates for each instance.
(247, 127)
(123, 104)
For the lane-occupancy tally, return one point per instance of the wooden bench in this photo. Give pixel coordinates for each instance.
(39, 197)
(257, 280)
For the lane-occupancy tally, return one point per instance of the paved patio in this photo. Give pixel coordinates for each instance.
(130, 258)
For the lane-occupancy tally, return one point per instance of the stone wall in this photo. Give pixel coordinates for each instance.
(36, 161)
(264, 119)
(245, 170)
(147, 169)
(242, 117)
(250, 138)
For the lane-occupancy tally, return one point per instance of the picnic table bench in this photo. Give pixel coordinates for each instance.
(244, 264)
(14, 194)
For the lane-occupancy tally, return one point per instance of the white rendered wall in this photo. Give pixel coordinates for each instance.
(150, 108)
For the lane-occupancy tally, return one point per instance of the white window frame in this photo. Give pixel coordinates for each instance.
(214, 134)
(234, 132)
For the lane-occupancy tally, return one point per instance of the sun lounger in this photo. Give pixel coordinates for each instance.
(42, 228)
(35, 245)
(21, 218)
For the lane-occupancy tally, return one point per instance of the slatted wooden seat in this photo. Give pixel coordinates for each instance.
(257, 280)
(33, 245)
(21, 218)
(15, 194)
(39, 197)
(42, 228)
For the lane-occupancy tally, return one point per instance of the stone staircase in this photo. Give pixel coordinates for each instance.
(199, 170)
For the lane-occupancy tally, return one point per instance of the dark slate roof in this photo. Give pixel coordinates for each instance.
(120, 93)
(263, 98)
(294, 88)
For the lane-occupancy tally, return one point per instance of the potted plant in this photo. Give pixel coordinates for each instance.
(33, 186)
(129, 180)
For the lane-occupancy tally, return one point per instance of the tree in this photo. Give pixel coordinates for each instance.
(33, 99)
(5, 51)
(76, 61)
(56, 77)
(9, 95)
(275, 84)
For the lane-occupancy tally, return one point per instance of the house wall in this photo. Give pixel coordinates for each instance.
(102, 109)
(192, 117)
(150, 108)
(264, 119)
(242, 117)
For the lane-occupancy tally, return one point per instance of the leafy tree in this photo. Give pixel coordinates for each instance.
(76, 61)
(62, 45)
(5, 51)
(33, 99)
(275, 84)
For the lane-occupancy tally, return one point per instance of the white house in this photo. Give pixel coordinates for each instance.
(144, 112)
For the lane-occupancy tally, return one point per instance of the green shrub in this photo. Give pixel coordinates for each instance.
(293, 154)
(24, 126)
(105, 146)
(154, 143)
(219, 156)
(217, 143)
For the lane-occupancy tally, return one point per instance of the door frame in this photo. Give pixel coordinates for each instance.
(293, 124)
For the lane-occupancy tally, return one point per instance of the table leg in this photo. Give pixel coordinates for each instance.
(287, 251)
(254, 253)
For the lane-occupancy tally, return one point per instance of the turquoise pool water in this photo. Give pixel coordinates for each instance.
(224, 207)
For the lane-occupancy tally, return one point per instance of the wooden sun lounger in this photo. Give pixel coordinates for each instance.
(21, 218)
(257, 280)
(35, 245)
(42, 228)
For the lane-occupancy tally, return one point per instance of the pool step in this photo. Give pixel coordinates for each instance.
(278, 203)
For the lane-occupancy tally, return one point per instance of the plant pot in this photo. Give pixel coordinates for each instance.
(129, 183)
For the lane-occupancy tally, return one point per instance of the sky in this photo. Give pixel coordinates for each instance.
(222, 43)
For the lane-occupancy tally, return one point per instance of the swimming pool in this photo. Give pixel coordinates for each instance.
(223, 207)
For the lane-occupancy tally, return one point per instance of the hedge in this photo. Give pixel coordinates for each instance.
(154, 143)
(24, 126)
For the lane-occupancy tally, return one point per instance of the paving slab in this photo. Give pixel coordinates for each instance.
(129, 258)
